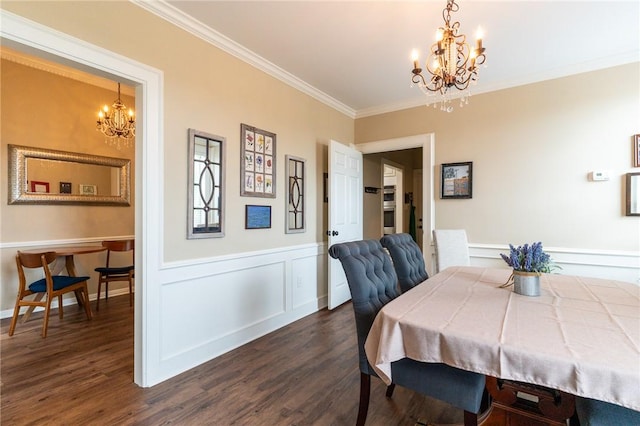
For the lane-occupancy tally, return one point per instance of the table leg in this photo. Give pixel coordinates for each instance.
(71, 269)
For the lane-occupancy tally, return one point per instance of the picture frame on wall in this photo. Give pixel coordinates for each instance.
(84, 189)
(456, 180)
(636, 151)
(257, 217)
(39, 186)
(65, 187)
(257, 162)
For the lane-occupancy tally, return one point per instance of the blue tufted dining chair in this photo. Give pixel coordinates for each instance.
(592, 412)
(373, 283)
(408, 261)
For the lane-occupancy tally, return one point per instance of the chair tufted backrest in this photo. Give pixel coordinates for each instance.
(372, 282)
(407, 260)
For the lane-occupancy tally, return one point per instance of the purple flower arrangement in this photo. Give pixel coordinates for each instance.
(529, 258)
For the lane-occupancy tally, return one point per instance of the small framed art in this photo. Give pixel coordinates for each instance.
(457, 179)
(87, 189)
(65, 187)
(257, 217)
(38, 186)
(636, 151)
(257, 162)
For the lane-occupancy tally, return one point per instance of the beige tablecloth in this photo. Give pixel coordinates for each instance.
(581, 335)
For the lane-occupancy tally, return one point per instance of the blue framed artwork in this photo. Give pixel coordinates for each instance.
(257, 217)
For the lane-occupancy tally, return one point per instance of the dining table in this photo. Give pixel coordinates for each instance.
(68, 253)
(581, 335)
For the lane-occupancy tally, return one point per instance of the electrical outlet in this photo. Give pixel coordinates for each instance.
(299, 282)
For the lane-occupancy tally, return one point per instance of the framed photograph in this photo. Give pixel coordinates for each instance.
(65, 187)
(257, 162)
(636, 151)
(38, 186)
(257, 217)
(457, 179)
(87, 189)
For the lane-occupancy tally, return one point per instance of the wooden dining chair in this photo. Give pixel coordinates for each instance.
(408, 260)
(110, 273)
(373, 283)
(50, 287)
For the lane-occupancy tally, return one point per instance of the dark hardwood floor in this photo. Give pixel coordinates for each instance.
(303, 374)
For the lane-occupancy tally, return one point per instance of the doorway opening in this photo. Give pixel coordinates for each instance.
(425, 200)
(40, 41)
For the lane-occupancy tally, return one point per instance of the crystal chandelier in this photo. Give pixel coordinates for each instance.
(452, 64)
(117, 124)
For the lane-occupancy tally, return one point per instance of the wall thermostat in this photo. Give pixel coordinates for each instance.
(598, 176)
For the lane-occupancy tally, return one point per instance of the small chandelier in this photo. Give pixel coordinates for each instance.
(452, 64)
(117, 124)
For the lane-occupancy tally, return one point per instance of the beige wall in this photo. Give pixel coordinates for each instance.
(532, 148)
(207, 89)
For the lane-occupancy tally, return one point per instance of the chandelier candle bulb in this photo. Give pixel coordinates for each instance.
(415, 57)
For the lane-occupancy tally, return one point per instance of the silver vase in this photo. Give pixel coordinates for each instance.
(526, 283)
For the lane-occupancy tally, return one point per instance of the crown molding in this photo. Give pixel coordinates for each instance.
(173, 15)
(41, 64)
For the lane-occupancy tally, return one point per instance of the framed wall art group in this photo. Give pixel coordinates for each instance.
(258, 162)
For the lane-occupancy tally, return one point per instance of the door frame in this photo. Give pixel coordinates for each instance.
(36, 39)
(427, 142)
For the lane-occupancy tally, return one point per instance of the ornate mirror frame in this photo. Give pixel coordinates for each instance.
(295, 220)
(18, 185)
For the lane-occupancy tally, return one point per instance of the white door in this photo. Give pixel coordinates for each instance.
(345, 212)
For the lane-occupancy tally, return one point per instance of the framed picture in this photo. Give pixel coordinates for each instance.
(257, 162)
(87, 189)
(257, 217)
(636, 151)
(38, 186)
(457, 180)
(65, 187)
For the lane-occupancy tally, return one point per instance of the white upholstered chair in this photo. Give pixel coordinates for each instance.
(451, 247)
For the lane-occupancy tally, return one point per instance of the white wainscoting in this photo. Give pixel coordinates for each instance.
(608, 264)
(211, 306)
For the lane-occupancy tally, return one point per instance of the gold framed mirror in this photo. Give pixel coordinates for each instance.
(46, 176)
